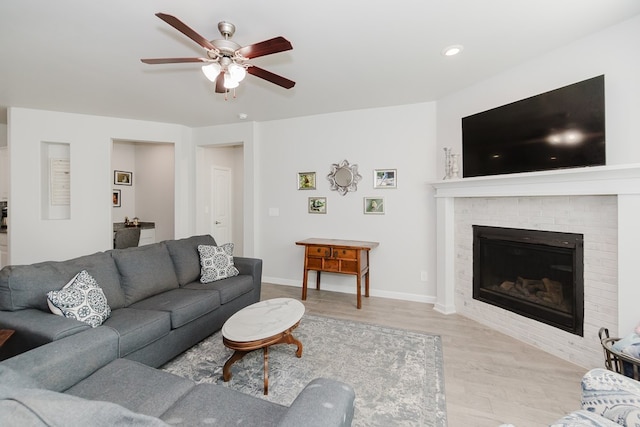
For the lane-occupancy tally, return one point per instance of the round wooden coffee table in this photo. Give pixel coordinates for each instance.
(261, 325)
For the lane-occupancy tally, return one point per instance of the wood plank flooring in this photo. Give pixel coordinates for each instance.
(490, 378)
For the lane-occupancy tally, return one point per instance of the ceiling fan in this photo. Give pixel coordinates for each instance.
(226, 61)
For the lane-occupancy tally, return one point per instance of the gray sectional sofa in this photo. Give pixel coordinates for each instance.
(79, 380)
(62, 372)
(158, 305)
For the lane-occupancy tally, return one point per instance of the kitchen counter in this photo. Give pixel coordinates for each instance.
(141, 225)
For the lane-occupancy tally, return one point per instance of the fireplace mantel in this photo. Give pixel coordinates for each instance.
(622, 181)
(599, 180)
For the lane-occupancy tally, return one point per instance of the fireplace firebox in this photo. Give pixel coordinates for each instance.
(537, 274)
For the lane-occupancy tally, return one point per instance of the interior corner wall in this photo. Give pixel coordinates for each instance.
(401, 138)
(89, 229)
(614, 52)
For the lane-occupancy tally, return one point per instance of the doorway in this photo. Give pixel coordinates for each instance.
(150, 195)
(221, 194)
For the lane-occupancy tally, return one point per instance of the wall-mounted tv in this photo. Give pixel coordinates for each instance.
(563, 128)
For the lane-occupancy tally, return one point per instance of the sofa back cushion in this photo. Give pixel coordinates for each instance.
(145, 271)
(26, 286)
(185, 256)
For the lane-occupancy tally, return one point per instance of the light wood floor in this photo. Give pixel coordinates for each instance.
(490, 378)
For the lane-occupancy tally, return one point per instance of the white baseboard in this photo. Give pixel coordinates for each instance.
(351, 290)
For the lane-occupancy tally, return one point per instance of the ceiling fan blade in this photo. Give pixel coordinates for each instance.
(172, 60)
(220, 84)
(267, 47)
(186, 30)
(269, 76)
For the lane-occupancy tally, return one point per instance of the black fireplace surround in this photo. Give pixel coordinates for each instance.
(537, 274)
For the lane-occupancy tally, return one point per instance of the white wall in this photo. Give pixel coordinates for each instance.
(614, 52)
(401, 138)
(33, 239)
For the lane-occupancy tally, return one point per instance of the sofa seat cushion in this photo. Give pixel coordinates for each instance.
(229, 289)
(145, 271)
(138, 328)
(210, 404)
(135, 386)
(184, 305)
(185, 256)
(38, 407)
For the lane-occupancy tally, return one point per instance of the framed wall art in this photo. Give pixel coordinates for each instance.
(318, 205)
(385, 178)
(374, 205)
(117, 202)
(306, 180)
(122, 178)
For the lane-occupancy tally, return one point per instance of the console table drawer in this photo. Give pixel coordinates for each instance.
(349, 266)
(314, 263)
(319, 251)
(331, 265)
(345, 253)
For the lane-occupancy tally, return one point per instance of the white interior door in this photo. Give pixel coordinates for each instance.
(221, 220)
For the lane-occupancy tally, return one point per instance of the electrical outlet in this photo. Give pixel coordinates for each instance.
(423, 276)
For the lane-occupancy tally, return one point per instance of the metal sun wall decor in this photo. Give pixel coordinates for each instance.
(344, 177)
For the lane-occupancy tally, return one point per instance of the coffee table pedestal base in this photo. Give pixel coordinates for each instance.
(243, 348)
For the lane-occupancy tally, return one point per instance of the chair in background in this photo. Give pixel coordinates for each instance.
(126, 238)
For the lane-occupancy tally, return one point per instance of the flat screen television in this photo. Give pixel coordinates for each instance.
(563, 128)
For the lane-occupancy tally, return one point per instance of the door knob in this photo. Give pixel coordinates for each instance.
(218, 222)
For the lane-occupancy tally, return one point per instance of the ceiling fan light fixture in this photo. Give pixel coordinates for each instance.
(211, 71)
(237, 72)
(229, 82)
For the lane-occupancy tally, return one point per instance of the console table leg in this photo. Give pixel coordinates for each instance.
(366, 284)
(304, 284)
(318, 280)
(359, 291)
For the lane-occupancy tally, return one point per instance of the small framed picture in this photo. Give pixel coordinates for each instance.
(116, 199)
(374, 205)
(306, 180)
(318, 205)
(385, 178)
(122, 178)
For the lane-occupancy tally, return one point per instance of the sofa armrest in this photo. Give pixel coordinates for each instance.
(611, 395)
(61, 364)
(252, 267)
(322, 403)
(35, 328)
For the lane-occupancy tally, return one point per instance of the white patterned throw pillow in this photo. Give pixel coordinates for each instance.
(81, 299)
(216, 262)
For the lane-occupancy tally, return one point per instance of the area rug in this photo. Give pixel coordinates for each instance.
(397, 375)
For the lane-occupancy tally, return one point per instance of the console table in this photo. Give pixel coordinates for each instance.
(337, 256)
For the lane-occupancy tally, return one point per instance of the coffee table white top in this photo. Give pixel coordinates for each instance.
(263, 319)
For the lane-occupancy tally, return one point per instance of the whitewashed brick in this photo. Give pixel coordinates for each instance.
(593, 216)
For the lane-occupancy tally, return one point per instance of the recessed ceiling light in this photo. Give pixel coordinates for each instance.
(452, 50)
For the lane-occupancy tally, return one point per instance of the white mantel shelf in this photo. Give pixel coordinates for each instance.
(599, 180)
(622, 181)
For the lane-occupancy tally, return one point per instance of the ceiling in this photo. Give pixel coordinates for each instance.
(84, 56)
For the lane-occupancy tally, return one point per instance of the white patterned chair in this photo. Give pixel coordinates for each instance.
(608, 399)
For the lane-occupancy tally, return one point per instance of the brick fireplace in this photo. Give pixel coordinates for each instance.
(602, 204)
